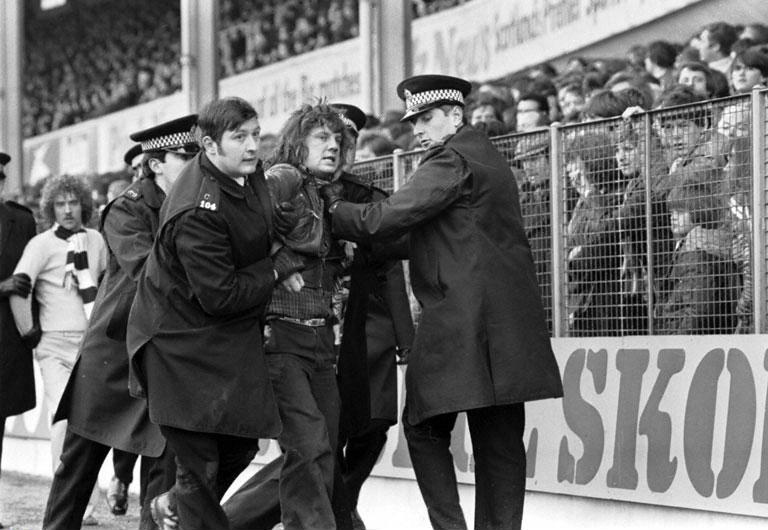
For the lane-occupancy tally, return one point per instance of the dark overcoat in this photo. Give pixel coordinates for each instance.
(377, 322)
(195, 327)
(17, 378)
(96, 400)
(482, 339)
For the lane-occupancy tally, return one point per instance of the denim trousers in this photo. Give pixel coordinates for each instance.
(499, 453)
(302, 369)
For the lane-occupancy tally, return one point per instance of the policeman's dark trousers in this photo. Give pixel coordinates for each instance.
(206, 465)
(359, 455)
(304, 382)
(499, 453)
(78, 471)
(123, 463)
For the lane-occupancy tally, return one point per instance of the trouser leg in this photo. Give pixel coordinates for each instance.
(361, 453)
(123, 464)
(195, 491)
(157, 475)
(256, 505)
(73, 482)
(429, 446)
(499, 452)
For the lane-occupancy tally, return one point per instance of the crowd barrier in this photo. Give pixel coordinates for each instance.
(646, 225)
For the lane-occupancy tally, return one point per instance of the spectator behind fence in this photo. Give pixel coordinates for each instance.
(592, 239)
(697, 76)
(372, 144)
(749, 69)
(704, 282)
(660, 62)
(631, 156)
(714, 45)
(532, 112)
(684, 132)
(570, 97)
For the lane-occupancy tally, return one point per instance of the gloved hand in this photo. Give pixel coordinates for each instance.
(331, 194)
(285, 217)
(286, 262)
(19, 284)
(32, 337)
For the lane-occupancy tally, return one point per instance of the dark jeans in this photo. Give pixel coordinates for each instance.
(499, 453)
(78, 471)
(206, 465)
(301, 362)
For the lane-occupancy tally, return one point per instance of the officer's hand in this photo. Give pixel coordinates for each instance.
(331, 194)
(32, 338)
(294, 282)
(285, 216)
(286, 262)
(19, 284)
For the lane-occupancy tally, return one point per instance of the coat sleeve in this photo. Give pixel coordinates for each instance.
(129, 234)
(204, 250)
(436, 184)
(33, 261)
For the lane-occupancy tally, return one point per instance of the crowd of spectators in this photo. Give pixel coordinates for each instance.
(84, 61)
(694, 273)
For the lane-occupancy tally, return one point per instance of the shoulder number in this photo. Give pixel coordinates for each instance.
(208, 205)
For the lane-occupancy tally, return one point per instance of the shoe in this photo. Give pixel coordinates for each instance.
(117, 496)
(357, 522)
(163, 514)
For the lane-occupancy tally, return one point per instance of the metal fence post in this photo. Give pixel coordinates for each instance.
(557, 214)
(397, 171)
(758, 101)
(649, 220)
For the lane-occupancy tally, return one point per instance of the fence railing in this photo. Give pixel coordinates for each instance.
(654, 224)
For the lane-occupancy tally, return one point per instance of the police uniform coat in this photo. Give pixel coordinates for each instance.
(377, 322)
(96, 401)
(482, 339)
(195, 327)
(17, 380)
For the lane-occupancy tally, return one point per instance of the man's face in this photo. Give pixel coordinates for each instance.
(536, 169)
(237, 154)
(734, 122)
(708, 50)
(483, 113)
(680, 222)
(323, 150)
(679, 136)
(628, 158)
(571, 104)
(172, 166)
(529, 116)
(68, 211)
(695, 79)
(433, 126)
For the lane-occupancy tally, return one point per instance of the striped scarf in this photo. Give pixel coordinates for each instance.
(76, 272)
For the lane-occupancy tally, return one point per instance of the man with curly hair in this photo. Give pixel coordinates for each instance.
(64, 265)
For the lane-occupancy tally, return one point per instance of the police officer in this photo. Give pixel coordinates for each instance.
(195, 327)
(96, 402)
(482, 344)
(17, 381)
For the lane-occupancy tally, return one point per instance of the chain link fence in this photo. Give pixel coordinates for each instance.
(651, 224)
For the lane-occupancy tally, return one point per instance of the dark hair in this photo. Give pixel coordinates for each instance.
(542, 101)
(678, 95)
(721, 88)
(604, 104)
(485, 100)
(221, 115)
(593, 81)
(290, 147)
(597, 151)
(723, 34)
(742, 45)
(63, 184)
(377, 142)
(635, 97)
(699, 195)
(753, 58)
(146, 169)
(760, 32)
(662, 53)
(491, 128)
